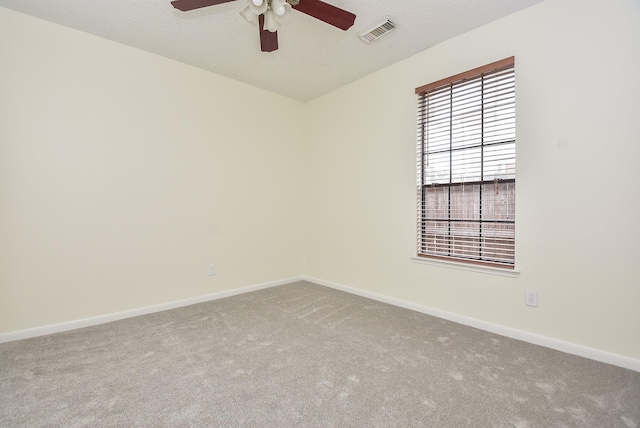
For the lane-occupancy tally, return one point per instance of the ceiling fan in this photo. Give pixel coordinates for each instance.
(266, 14)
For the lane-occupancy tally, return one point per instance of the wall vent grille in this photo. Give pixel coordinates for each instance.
(377, 30)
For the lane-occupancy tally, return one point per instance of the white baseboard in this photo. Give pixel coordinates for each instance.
(101, 319)
(559, 345)
(536, 339)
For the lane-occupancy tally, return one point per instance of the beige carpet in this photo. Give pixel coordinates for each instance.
(304, 355)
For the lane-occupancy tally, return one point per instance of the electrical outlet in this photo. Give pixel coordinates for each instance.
(531, 298)
(212, 269)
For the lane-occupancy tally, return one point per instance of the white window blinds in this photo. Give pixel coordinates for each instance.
(466, 166)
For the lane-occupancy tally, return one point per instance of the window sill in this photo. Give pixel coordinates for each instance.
(513, 273)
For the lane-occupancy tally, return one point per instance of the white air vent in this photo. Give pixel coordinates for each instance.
(377, 30)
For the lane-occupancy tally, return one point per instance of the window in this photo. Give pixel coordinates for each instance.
(466, 166)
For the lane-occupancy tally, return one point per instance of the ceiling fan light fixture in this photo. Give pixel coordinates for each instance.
(258, 9)
(251, 17)
(281, 8)
(270, 22)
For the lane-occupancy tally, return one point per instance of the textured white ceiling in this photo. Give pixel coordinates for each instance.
(313, 57)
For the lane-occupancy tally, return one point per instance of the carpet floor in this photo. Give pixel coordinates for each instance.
(304, 355)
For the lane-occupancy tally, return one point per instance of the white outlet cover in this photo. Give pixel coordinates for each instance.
(531, 298)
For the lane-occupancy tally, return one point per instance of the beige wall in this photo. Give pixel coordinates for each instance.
(578, 194)
(123, 174)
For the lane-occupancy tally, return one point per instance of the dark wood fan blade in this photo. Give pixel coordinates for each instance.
(268, 40)
(325, 12)
(185, 5)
